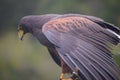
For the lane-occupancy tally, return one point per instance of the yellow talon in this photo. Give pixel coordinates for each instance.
(62, 77)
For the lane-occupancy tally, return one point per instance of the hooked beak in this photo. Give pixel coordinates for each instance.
(21, 34)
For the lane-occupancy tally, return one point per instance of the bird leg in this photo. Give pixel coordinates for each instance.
(65, 70)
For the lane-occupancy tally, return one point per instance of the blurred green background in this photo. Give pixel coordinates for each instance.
(27, 59)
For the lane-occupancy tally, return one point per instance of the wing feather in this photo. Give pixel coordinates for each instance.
(84, 44)
(86, 51)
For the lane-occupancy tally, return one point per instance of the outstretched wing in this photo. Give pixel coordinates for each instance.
(85, 45)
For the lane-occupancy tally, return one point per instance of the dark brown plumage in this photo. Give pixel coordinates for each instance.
(80, 44)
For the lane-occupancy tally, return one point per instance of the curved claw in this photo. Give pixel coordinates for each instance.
(74, 76)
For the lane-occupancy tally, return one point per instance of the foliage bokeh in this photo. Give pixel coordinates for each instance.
(28, 60)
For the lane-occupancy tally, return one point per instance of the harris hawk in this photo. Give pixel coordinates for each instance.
(81, 45)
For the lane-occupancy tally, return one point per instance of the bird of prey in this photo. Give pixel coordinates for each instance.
(81, 45)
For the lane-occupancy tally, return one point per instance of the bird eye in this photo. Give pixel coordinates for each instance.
(19, 28)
